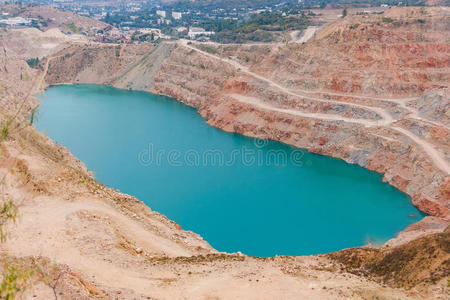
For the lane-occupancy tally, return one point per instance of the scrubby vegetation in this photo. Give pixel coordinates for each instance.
(14, 276)
(15, 280)
(5, 128)
(422, 261)
(8, 214)
(33, 62)
(262, 27)
(73, 29)
(207, 48)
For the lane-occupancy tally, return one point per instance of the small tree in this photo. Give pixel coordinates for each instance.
(33, 62)
(15, 280)
(4, 130)
(8, 213)
(33, 115)
(344, 13)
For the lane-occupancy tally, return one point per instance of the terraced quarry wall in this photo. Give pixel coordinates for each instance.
(401, 53)
(358, 133)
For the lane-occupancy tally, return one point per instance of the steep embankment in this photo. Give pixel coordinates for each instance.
(96, 63)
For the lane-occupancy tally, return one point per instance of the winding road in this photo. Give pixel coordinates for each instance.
(387, 120)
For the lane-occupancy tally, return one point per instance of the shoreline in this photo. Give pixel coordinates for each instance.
(390, 241)
(208, 105)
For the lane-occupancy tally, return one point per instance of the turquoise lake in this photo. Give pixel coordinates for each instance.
(262, 198)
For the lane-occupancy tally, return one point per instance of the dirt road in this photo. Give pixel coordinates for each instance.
(386, 119)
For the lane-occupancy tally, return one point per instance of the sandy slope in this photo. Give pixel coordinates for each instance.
(307, 34)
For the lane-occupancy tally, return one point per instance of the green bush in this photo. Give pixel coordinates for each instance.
(5, 130)
(263, 27)
(15, 280)
(73, 28)
(118, 47)
(8, 213)
(207, 48)
(33, 62)
(344, 13)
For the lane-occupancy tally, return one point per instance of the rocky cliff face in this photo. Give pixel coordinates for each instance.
(91, 63)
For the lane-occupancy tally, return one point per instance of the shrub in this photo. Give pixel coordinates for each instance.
(33, 115)
(344, 13)
(8, 213)
(207, 48)
(5, 130)
(73, 28)
(33, 62)
(15, 280)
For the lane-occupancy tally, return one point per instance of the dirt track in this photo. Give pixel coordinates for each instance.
(387, 119)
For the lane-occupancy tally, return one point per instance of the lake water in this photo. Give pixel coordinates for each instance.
(259, 197)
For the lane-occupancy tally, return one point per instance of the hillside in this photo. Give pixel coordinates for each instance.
(49, 18)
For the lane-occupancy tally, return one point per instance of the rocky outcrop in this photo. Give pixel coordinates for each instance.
(433, 106)
(140, 75)
(414, 264)
(91, 63)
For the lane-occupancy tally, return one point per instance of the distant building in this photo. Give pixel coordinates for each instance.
(197, 31)
(155, 31)
(258, 11)
(161, 13)
(16, 21)
(176, 15)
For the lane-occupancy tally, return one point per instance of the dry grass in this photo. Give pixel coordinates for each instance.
(422, 261)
